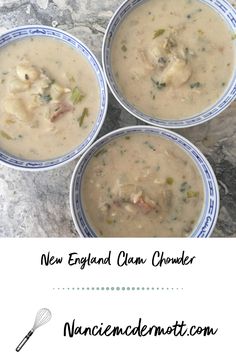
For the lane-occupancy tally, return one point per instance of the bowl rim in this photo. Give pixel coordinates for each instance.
(115, 133)
(211, 112)
(102, 106)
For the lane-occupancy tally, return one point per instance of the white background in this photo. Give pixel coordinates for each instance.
(207, 299)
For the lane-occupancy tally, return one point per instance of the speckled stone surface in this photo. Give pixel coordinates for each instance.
(37, 204)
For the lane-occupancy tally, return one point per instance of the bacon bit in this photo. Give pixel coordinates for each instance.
(146, 208)
(60, 110)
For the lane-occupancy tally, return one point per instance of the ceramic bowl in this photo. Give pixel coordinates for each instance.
(210, 209)
(224, 10)
(44, 31)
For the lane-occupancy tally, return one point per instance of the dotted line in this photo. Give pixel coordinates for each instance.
(117, 288)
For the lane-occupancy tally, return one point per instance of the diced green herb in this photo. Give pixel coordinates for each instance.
(124, 48)
(159, 33)
(192, 194)
(195, 85)
(51, 82)
(159, 85)
(184, 187)
(195, 12)
(169, 180)
(109, 221)
(76, 95)
(122, 151)
(70, 78)
(100, 152)
(223, 84)
(20, 136)
(150, 145)
(45, 98)
(162, 61)
(201, 32)
(5, 135)
(127, 137)
(233, 37)
(84, 114)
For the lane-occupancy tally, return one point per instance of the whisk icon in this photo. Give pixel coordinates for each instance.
(42, 317)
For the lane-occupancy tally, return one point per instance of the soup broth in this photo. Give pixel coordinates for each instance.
(49, 98)
(142, 185)
(172, 59)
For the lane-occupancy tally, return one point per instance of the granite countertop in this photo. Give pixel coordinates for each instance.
(37, 204)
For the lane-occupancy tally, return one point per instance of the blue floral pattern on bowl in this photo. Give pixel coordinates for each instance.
(45, 31)
(210, 211)
(226, 11)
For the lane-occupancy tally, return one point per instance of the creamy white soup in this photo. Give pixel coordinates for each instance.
(172, 59)
(49, 98)
(142, 185)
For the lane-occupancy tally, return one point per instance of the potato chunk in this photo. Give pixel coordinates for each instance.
(16, 107)
(17, 85)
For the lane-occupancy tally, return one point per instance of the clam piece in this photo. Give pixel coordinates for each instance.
(27, 72)
(157, 57)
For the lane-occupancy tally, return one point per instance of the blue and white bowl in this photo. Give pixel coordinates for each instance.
(207, 220)
(45, 31)
(225, 10)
